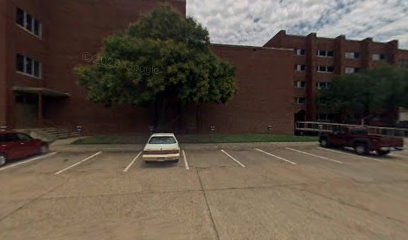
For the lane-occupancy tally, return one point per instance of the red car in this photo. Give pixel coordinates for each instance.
(14, 146)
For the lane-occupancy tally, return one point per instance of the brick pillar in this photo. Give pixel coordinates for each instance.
(367, 53)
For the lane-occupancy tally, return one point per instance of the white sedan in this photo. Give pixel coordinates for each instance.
(161, 147)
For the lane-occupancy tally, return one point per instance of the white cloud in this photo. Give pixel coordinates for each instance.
(254, 22)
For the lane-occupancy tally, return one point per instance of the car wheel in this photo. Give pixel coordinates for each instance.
(383, 153)
(324, 143)
(44, 149)
(3, 160)
(361, 149)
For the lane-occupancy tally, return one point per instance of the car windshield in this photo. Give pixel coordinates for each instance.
(162, 140)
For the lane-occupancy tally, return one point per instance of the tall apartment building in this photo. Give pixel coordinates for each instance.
(318, 60)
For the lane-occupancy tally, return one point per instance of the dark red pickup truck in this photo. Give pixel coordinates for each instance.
(361, 141)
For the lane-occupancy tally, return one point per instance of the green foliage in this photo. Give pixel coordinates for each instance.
(370, 92)
(162, 56)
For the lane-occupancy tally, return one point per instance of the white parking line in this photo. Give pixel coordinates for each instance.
(76, 164)
(27, 161)
(346, 153)
(132, 162)
(270, 154)
(317, 156)
(235, 160)
(185, 160)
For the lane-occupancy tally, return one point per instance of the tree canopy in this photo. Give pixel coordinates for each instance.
(368, 93)
(164, 55)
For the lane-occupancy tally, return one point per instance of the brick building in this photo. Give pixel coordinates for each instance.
(317, 60)
(44, 39)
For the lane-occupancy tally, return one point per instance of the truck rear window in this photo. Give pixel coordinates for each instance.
(359, 131)
(162, 140)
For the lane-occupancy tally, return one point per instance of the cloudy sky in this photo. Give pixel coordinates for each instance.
(254, 22)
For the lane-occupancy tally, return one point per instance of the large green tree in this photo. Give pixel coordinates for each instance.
(367, 94)
(163, 58)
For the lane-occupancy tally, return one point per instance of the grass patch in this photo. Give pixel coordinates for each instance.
(216, 138)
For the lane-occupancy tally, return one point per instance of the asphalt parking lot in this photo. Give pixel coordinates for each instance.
(274, 191)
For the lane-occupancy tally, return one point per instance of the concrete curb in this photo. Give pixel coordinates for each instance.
(138, 147)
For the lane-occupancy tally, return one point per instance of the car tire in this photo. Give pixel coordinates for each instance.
(324, 142)
(383, 153)
(44, 149)
(361, 148)
(3, 160)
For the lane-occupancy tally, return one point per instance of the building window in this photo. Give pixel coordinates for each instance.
(300, 67)
(300, 100)
(28, 66)
(325, 53)
(323, 85)
(29, 23)
(300, 52)
(349, 70)
(352, 55)
(325, 69)
(20, 17)
(20, 63)
(300, 84)
(378, 57)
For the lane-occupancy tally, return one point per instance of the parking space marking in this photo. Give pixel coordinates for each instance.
(316, 156)
(76, 164)
(185, 160)
(346, 153)
(272, 155)
(28, 161)
(132, 162)
(235, 160)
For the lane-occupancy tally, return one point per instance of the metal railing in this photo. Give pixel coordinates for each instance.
(329, 127)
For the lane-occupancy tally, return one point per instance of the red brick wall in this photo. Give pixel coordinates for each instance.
(265, 96)
(340, 45)
(3, 89)
(72, 28)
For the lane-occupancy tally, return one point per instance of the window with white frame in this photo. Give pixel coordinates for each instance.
(300, 84)
(300, 67)
(323, 85)
(300, 100)
(300, 52)
(378, 57)
(325, 69)
(28, 22)
(28, 66)
(325, 53)
(352, 55)
(349, 70)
